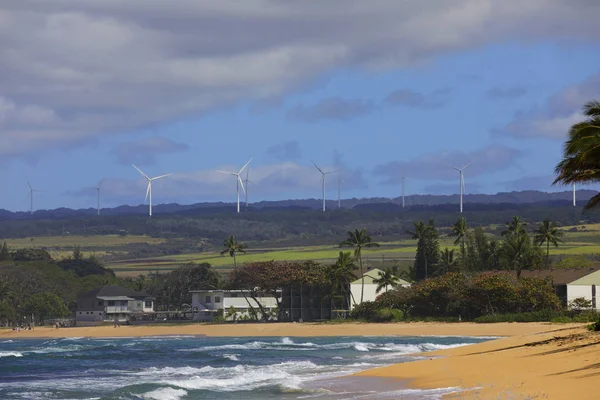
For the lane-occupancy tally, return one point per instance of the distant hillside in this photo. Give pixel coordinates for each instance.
(373, 203)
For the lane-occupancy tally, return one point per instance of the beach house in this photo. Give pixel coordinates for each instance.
(370, 287)
(112, 303)
(586, 287)
(232, 304)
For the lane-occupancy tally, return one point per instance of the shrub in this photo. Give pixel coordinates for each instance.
(366, 310)
(219, 319)
(595, 326)
(580, 303)
(536, 294)
(536, 316)
(491, 293)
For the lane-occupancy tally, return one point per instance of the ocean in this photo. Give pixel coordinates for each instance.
(196, 367)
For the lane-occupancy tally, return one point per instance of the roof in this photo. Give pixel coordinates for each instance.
(559, 276)
(589, 279)
(222, 290)
(372, 275)
(115, 298)
(115, 291)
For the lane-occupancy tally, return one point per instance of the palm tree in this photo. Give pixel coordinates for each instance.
(233, 247)
(359, 239)
(386, 279)
(494, 256)
(421, 233)
(581, 153)
(548, 233)
(447, 261)
(460, 230)
(342, 273)
(515, 226)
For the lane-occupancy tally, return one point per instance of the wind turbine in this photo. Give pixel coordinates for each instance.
(30, 195)
(340, 181)
(149, 189)
(323, 174)
(247, 181)
(574, 196)
(239, 181)
(98, 190)
(462, 182)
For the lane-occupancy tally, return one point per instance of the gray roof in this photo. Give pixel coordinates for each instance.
(115, 291)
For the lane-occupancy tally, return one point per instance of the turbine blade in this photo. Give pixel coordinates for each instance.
(148, 190)
(241, 184)
(245, 165)
(159, 177)
(331, 172)
(316, 166)
(225, 172)
(467, 164)
(140, 171)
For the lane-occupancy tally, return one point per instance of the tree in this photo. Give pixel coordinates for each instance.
(581, 152)
(45, 305)
(385, 279)
(447, 262)
(4, 254)
(548, 232)
(460, 230)
(233, 247)
(428, 248)
(341, 274)
(359, 239)
(515, 226)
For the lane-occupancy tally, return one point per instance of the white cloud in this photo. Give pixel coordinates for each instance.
(72, 71)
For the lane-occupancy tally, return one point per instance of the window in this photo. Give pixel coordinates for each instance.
(80, 312)
(111, 303)
(100, 313)
(87, 312)
(207, 299)
(207, 313)
(100, 302)
(148, 304)
(233, 295)
(217, 299)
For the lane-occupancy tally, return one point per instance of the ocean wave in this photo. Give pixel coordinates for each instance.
(10, 354)
(165, 394)
(232, 357)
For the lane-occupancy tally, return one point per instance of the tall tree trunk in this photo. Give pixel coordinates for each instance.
(547, 254)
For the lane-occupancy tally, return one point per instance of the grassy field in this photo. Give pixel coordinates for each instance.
(579, 240)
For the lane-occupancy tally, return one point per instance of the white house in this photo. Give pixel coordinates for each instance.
(370, 287)
(112, 303)
(586, 287)
(208, 303)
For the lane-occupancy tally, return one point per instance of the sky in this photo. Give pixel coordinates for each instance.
(373, 90)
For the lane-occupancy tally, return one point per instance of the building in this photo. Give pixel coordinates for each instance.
(585, 287)
(370, 287)
(207, 304)
(112, 303)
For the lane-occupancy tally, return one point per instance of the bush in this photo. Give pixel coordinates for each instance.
(366, 310)
(218, 320)
(536, 316)
(595, 327)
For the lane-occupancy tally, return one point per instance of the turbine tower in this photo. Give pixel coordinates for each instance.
(246, 181)
(30, 195)
(403, 179)
(574, 196)
(323, 174)
(340, 181)
(98, 190)
(239, 181)
(149, 189)
(462, 182)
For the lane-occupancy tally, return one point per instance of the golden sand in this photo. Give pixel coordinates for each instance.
(561, 364)
(290, 329)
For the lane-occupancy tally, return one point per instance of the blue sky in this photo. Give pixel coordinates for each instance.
(190, 87)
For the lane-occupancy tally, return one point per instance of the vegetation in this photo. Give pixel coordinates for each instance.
(233, 247)
(581, 154)
(359, 239)
(548, 233)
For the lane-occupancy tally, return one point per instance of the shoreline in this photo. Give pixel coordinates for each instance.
(556, 364)
(285, 329)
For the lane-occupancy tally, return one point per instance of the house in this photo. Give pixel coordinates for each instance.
(112, 303)
(586, 287)
(207, 304)
(370, 287)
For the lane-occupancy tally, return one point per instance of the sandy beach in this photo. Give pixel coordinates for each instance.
(290, 329)
(561, 364)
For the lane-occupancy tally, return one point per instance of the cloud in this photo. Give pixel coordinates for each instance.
(556, 116)
(285, 151)
(436, 166)
(145, 151)
(332, 108)
(512, 92)
(73, 71)
(541, 182)
(409, 98)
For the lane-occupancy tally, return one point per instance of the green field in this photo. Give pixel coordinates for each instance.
(122, 255)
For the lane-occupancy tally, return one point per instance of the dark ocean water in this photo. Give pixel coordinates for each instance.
(186, 367)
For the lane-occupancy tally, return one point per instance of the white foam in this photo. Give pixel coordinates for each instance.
(361, 347)
(165, 394)
(232, 357)
(10, 354)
